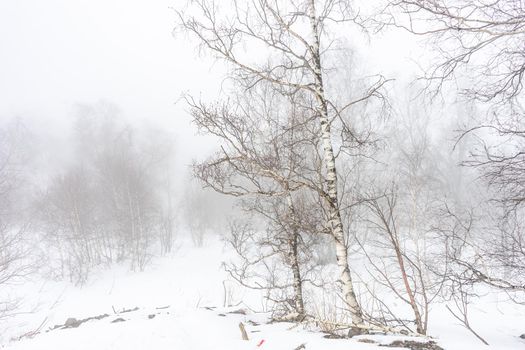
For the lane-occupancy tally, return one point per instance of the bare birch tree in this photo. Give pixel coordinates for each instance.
(294, 37)
(263, 156)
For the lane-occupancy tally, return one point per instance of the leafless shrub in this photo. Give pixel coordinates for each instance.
(479, 252)
(460, 297)
(15, 262)
(409, 282)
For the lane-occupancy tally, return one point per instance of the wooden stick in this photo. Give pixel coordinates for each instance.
(243, 331)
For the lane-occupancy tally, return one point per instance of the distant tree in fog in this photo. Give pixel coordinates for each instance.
(71, 225)
(203, 212)
(15, 259)
(113, 202)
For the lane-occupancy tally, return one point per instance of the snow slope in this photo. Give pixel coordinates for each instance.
(180, 301)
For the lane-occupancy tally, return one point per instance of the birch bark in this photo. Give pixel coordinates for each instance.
(335, 222)
(294, 260)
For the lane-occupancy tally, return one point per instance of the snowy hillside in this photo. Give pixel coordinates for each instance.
(178, 303)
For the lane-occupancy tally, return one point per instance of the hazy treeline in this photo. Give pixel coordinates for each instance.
(14, 220)
(113, 201)
(104, 191)
(110, 196)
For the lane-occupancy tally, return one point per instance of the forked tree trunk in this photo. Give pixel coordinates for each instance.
(335, 224)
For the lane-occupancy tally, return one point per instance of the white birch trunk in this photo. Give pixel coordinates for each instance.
(335, 224)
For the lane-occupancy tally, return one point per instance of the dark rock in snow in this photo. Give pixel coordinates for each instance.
(352, 332)
(151, 316)
(99, 317)
(72, 323)
(333, 336)
(238, 312)
(414, 345)
(120, 319)
(522, 336)
(129, 310)
(366, 340)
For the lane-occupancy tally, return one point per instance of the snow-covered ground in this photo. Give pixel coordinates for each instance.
(180, 303)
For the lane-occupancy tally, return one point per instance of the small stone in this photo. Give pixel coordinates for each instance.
(352, 332)
(332, 336)
(151, 316)
(239, 312)
(71, 323)
(522, 336)
(120, 319)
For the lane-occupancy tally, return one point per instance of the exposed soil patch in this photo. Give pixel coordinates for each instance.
(333, 336)
(413, 345)
(74, 323)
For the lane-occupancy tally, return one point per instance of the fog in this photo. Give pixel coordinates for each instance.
(58, 54)
(356, 164)
(100, 68)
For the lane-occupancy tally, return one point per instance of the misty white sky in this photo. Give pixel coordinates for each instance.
(60, 52)
(57, 53)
